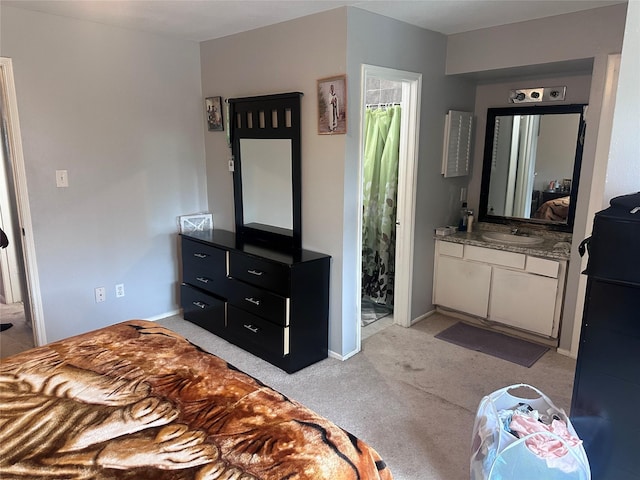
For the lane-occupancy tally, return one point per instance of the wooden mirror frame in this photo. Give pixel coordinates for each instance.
(275, 116)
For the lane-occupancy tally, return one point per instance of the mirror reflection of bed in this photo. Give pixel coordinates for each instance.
(555, 210)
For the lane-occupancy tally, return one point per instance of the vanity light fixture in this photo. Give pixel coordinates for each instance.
(539, 94)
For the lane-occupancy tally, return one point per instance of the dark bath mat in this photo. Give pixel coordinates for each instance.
(493, 343)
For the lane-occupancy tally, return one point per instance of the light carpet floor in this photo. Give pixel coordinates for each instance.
(409, 395)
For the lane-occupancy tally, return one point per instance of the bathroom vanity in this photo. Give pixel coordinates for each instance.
(512, 286)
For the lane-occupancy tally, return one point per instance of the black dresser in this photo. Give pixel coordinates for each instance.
(606, 392)
(274, 304)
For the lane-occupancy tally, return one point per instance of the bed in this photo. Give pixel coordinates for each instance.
(555, 210)
(136, 400)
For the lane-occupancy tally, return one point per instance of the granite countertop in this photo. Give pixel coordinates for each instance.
(556, 246)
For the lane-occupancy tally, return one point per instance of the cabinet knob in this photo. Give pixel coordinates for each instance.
(201, 305)
(200, 255)
(257, 273)
(252, 300)
(251, 328)
(202, 279)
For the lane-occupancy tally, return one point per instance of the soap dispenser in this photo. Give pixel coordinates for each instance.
(464, 213)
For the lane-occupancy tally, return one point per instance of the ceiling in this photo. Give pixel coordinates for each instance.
(200, 20)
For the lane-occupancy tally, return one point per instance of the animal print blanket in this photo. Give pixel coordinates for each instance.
(138, 401)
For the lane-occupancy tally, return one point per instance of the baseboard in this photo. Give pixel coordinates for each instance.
(163, 315)
(567, 353)
(423, 317)
(342, 358)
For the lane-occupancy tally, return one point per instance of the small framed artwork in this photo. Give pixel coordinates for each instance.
(332, 105)
(213, 106)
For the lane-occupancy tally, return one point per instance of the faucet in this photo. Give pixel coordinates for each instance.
(514, 231)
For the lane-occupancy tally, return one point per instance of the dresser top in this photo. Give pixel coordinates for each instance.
(230, 241)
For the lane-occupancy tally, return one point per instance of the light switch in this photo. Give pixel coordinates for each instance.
(62, 180)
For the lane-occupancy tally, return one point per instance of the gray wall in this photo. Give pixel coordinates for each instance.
(559, 41)
(122, 112)
(289, 56)
(560, 38)
(293, 56)
(381, 41)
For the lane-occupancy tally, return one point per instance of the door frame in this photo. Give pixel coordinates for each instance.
(407, 185)
(16, 157)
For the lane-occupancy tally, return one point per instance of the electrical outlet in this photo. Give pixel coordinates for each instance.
(120, 290)
(101, 294)
(463, 194)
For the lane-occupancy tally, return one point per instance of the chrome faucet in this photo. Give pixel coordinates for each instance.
(514, 231)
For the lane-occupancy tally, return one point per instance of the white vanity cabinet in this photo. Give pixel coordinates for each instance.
(508, 288)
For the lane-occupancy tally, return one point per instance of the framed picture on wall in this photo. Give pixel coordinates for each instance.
(332, 105)
(213, 107)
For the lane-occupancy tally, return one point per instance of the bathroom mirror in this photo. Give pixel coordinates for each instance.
(265, 136)
(531, 167)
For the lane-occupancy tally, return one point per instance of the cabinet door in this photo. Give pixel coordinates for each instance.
(462, 285)
(523, 300)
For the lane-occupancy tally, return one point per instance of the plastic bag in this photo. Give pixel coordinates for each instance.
(498, 454)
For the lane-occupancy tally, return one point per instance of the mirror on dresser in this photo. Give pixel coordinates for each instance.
(265, 135)
(531, 167)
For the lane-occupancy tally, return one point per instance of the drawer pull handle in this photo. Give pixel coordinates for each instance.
(200, 305)
(257, 273)
(252, 300)
(202, 279)
(200, 255)
(251, 328)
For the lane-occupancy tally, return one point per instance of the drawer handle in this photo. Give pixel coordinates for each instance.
(200, 305)
(252, 300)
(257, 273)
(202, 279)
(200, 255)
(251, 328)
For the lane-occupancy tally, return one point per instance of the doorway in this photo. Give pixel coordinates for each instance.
(386, 226)
(20, 284)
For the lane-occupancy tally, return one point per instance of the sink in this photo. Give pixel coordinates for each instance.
(509, 239)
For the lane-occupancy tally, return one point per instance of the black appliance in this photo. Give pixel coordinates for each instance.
(606, 392)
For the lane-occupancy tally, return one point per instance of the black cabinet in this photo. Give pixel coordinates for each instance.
(606, 389)
(274, 304)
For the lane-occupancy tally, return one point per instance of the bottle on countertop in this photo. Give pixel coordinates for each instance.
(470, 220)
(464, 217)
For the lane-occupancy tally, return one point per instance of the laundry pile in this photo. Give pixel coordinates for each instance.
(523, 421)
(519, 434)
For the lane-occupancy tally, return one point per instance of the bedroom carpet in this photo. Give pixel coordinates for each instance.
(409, 395)
(493, 343)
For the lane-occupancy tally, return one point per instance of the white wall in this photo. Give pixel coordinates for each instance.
(122, 112)
(623, 169)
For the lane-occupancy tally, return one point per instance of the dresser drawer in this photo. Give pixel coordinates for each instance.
(259, 301)
(204, 310)
(261, 273)
(204, 266)
(248, 328)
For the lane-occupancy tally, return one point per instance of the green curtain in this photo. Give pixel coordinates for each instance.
(380, 191)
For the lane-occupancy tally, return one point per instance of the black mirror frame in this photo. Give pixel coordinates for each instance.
(240, 108)
(492, 113)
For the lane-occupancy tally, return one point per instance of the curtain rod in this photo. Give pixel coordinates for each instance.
(378, 105)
